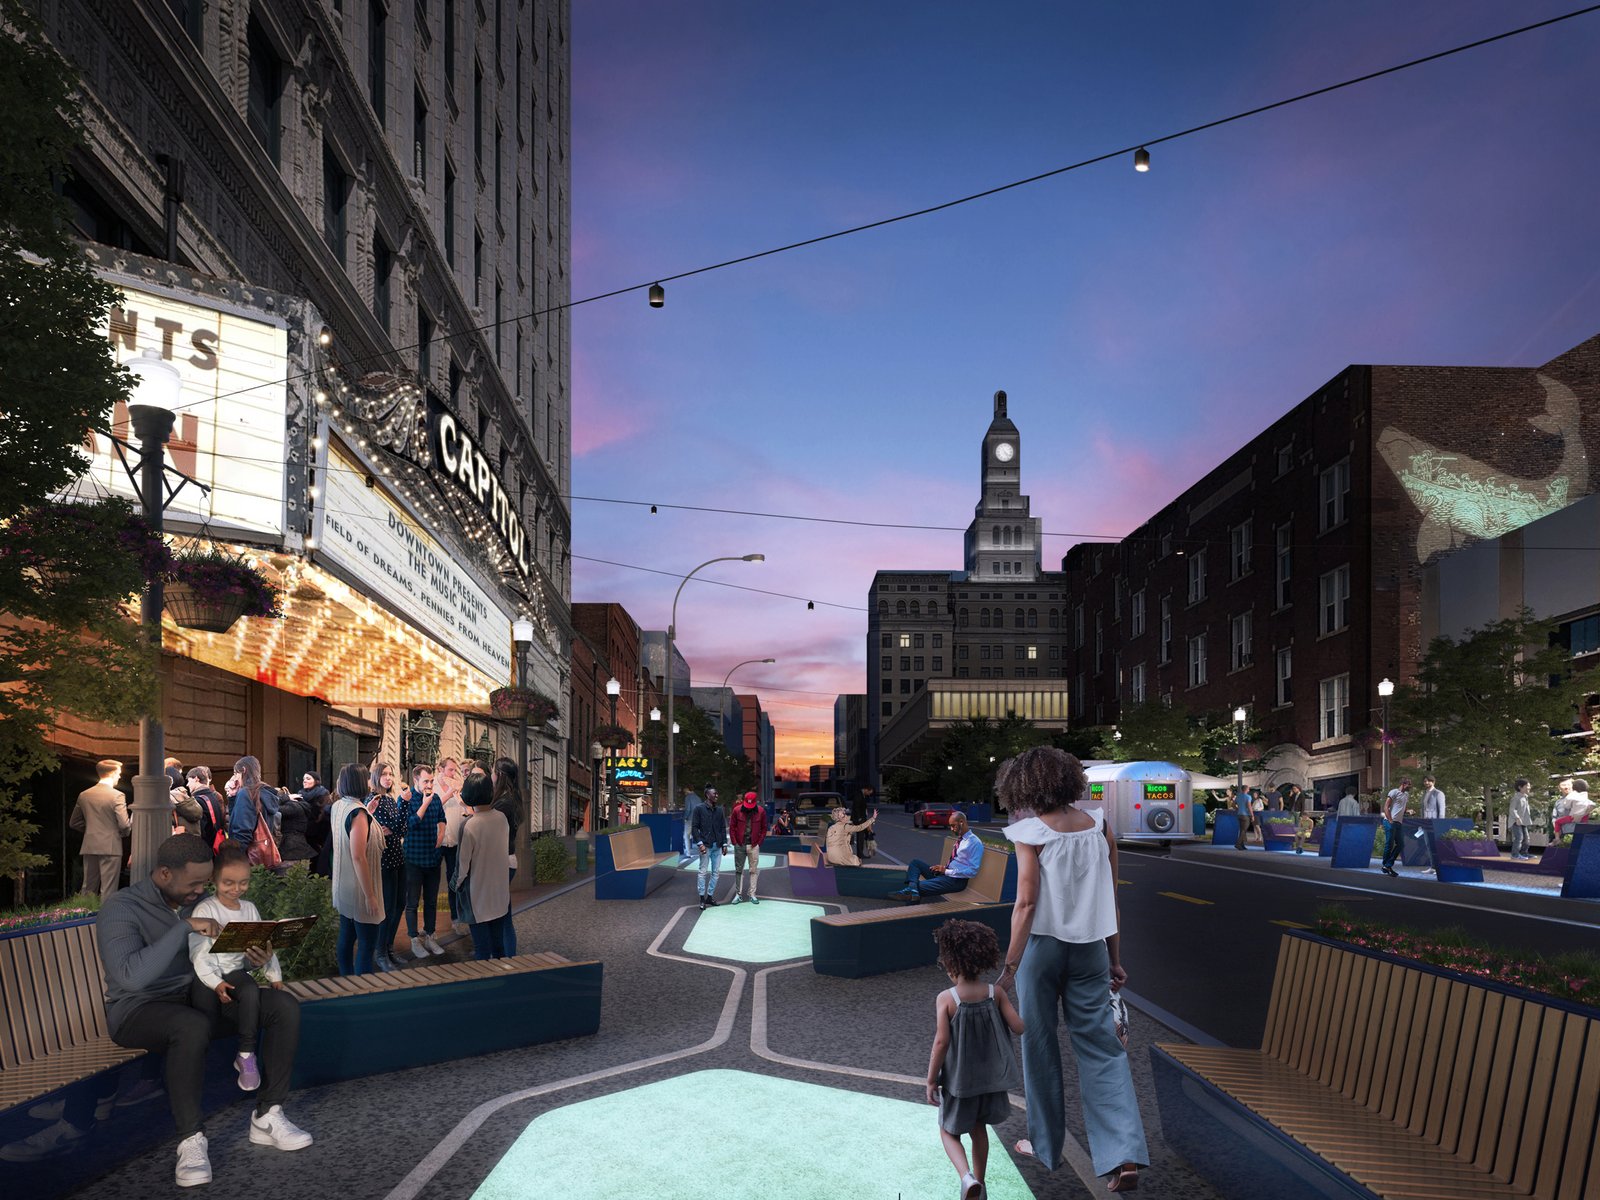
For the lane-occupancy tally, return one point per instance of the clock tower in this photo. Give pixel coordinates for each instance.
(1002, 543)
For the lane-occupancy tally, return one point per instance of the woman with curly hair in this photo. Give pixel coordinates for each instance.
(971, 1069)
(1066, 941)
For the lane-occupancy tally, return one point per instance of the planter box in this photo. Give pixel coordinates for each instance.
(1278, 835)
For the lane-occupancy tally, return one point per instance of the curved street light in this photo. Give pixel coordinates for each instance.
(672, 635)
(745, 663)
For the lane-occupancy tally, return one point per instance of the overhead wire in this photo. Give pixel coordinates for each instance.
(1142, 143)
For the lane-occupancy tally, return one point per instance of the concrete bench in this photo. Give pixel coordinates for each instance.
(1378, 1076)
(875, 941)
(627, 865)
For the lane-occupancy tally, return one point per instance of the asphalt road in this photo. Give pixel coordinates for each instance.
(1201, 941)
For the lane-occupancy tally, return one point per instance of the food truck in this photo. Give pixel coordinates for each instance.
(1143, 801)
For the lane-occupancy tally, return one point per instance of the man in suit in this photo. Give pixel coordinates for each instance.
(101, 815)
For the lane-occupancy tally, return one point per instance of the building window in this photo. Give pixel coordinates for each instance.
(1581, 636)
(1197, 577)
(1284, 693)
(916, 664)
(1033, 652)
(1099, 639)
(1136, 613)
(961, 619)
(424, 343)
(1285, 563)
(886, 663)
(1021, 621)
(983, 618)
(419, 137)
(1197, 660)
(938, 662)
(1335, 494)
(1239, 545)
(1077, 627)
(905, 687)
(1055, 618)
(1334, 612)
(265, 89)
(377, 56)
(1166, 545)
(190, 14)
(885, 641)
(916, 639)
(449, 215)
(994, 568)
(477, 267)
(1166, 629)
(382, 268)
(1136, 683)
(1240, 655)
(335, 195)
(961, 672)
(477, 116)
(938, 641)
(450, 41)
(1033, 618)
(905, 641)
(983, 651)
(905, 662)
(961, 652)
(1335, 707)
(887, 708)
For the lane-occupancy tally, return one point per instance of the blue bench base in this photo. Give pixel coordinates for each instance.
(633, 884)
(1241, 1155)
(872, 883)
(878, 947)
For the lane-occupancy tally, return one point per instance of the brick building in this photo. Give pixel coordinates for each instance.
(605, 646)
(1288, 579)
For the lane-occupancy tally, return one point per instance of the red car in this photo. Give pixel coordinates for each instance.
(930, 816)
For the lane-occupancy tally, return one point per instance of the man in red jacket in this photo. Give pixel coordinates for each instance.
(746, 830)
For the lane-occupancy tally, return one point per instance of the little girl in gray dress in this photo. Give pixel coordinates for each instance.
(972, 1068)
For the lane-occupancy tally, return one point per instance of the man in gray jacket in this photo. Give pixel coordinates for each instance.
(101, 815)
(1521, 818)
(143, 934)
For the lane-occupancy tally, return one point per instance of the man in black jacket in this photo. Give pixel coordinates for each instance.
(710, 836)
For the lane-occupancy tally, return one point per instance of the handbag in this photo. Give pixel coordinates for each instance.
(463, 888)
(263, 849)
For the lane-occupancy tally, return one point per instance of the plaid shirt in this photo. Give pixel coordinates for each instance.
(422, 836)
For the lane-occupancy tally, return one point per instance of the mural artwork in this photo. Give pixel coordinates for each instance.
(1462, 499)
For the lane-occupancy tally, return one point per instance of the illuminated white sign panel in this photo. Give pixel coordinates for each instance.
(393, 560)
(230, 426)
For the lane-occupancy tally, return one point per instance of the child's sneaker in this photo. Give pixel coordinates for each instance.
(971, 1189)
(249, 1072)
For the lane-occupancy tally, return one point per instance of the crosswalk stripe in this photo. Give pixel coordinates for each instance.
(1125, 882)
(1185, 899)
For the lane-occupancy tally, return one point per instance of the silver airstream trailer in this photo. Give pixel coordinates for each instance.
(1143, 801)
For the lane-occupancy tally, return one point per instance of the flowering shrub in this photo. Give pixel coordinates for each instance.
(1572, 976)
(1467, 835)
(613, 737)
(74, 909)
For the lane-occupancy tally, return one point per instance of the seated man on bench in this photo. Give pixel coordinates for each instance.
(965, 859)
(144, 948)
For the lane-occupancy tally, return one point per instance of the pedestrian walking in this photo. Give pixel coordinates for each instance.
(1066, 955)
(1433, 809)
(1242, 806)
(710, 838)
(971, 1069)
(101, 815)
(356, 868)
(483, 885)
(747, 829)
(424, 814)
(1396, 807)
(1519, 819)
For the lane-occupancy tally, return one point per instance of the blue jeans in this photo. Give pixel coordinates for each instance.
(920, 878)
(394, 894)
(1077, 976)
(356, 943)
(490, 938)
(1391, 843)
(710, 863)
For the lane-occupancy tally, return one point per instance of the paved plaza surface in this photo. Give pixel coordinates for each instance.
(716, 1033)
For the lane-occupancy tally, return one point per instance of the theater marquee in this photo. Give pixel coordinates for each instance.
(454, 454)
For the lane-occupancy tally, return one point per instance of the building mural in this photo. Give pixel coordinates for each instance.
(1463, 499)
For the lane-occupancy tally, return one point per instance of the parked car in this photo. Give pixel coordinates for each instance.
(930, 816)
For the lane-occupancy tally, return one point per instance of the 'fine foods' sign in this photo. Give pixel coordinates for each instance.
(453, 453)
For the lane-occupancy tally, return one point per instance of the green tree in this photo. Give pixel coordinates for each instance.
(1485, 710)
(65, 644)
(963, 768)
(1156, 732)
(703, 758)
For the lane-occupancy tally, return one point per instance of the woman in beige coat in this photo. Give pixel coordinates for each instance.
(840, 853)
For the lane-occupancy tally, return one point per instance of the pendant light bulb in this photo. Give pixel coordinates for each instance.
(658, 294)
(1141, 163)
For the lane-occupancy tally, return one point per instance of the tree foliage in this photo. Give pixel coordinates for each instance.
(703, 758)
(1483, 711)
(65, 644)
(1156, 732)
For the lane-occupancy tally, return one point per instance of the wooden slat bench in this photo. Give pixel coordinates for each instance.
(875, 941)
(1382, 1077)
(627, 865)
(467, 1009)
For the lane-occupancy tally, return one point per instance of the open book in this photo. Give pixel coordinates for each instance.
(239, 936)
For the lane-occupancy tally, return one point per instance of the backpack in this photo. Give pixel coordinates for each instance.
(213, 828)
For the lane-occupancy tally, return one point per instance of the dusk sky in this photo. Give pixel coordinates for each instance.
(1143, 326)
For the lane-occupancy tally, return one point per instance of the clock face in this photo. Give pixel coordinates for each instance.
(1004, 451)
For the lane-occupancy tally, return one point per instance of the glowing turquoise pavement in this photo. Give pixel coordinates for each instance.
(754, 933)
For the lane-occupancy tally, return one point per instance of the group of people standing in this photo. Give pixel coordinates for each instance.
(709, 835)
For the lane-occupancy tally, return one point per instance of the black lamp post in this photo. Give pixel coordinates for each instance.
(613, 690)
(1239, 718)
(155, 399)
(1385, 690)
(522, 635)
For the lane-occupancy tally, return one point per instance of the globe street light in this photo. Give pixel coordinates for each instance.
(1385, 690)
(672, 635)
(151, 409)
(1239, 718)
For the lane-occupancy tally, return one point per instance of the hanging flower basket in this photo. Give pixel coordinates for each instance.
(613, 737)
(209, 590)
(1373, 739)
(515, 703)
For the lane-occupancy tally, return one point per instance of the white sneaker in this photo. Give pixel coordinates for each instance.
(419, 948)
(737, 899)
(971, 1189)
(433, 946)
(275, 1129)
(194, 1163)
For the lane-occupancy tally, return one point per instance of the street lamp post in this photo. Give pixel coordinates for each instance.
(155, 399)
(522, 635)
(613, 690)
(1239, 718)
(745, 663)
(1385, 690)
(672, 634)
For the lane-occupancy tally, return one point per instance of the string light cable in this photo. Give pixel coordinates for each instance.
(1142, 144)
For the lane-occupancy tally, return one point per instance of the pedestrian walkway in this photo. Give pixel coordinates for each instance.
(806, 1085)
